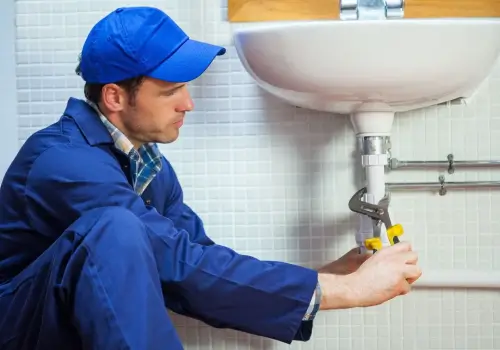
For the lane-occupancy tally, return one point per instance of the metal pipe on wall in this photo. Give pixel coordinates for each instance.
(451, 164)
(441, 186)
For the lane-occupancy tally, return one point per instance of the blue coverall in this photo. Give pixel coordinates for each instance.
(86, 263)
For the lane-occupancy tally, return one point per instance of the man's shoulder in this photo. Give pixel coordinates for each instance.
(57, 145)
(63, 131)
(56, 135)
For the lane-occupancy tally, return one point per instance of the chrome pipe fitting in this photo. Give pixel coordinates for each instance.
(371, 9)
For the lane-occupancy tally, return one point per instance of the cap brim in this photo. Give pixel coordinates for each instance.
(188, 62)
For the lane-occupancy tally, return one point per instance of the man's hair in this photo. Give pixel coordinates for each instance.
(93, 91)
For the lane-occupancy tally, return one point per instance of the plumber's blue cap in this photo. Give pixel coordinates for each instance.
(143, 41)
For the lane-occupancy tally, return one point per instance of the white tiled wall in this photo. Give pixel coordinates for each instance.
(273, 181)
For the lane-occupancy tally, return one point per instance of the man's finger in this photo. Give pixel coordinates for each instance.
(395, 249)
(411, 257)
(412, 272)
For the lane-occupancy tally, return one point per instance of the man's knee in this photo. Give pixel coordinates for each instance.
(116, 216)
(110, 225)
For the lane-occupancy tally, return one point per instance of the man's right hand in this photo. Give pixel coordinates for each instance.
(384, 276)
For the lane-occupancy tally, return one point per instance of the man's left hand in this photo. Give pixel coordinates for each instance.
(346, 264)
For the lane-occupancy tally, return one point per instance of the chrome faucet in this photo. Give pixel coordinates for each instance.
(371, 9)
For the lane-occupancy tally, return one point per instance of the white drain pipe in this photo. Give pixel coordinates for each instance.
(372, 123)
(458, 279)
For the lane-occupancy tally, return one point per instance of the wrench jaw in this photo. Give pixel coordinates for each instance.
(375, 211)
(379, 215)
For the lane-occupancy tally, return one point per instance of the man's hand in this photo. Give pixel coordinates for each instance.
(348, 263)
(382, 277)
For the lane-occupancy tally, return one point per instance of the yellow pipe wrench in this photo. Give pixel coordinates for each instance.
(380, 214)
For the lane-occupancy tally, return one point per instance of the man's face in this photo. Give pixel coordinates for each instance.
(156, 114)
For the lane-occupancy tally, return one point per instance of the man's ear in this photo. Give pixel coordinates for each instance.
(113, 98)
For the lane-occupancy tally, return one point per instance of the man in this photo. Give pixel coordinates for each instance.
(96, 240)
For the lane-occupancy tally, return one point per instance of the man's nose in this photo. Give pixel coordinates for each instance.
(186, 104)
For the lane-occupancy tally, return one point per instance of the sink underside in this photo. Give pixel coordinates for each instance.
(397, 65)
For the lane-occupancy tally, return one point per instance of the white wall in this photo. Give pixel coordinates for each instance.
(273, 181)
(8, 101)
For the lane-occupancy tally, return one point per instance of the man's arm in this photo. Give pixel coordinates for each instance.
(177, 210)
(185, 218)
(212, 283)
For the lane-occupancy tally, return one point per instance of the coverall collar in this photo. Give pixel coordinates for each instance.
(88, 122)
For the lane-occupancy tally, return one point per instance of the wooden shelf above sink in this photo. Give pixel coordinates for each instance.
(296, 10)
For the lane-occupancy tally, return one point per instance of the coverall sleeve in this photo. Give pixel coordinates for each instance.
(185, 218)
(178, 211)
(209, 282)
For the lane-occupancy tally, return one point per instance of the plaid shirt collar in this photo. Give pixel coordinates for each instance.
(145, 162)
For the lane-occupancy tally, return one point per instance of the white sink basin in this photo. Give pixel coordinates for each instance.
(380, 65)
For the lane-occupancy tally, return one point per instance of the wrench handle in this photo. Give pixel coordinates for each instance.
(394, 232)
